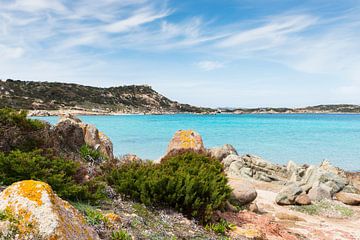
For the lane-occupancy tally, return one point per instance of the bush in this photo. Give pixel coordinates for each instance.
(221, 227)
(120, 235)
(191, 183)
(11, 117)
(59, 173)
(91, 155)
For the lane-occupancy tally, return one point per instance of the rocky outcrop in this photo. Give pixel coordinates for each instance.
(185, 140)
(250, 166)
(31, 210)
(288, 195)
(91, 135)
(222, 152)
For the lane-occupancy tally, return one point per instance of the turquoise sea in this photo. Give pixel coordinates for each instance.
(303, 138)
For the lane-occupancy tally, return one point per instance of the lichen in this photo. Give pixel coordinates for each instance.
(35, 210)
(33, 190)
(187, 139)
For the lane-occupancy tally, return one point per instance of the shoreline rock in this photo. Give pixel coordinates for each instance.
(37, 212)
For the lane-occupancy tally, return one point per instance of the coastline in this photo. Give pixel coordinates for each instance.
(59, 112)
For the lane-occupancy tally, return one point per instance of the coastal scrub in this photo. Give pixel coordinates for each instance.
(191, 183)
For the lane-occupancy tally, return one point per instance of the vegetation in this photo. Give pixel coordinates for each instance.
(191, 183)
(91, 155)
(221, 227)
(52, 95)
(11, 117)
(92, 215)
(59, 173)
(120, 235)
(325, 207)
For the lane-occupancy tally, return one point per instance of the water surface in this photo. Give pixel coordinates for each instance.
(303, 138)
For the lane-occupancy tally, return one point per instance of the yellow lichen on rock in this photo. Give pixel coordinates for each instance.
(186, 140)
(36, 212)
(32, 190)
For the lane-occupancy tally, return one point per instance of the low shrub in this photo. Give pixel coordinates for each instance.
(221, 227)
(92, 215)
(91, 155)
(120, 235)
(59, 173)
(11, 117)
(191, 183)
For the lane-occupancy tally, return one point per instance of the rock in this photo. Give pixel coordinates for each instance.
(287, 216)
(320, 192)
(288, 195)
(130, 158)
(253, 207)
(243, 194)
(222, 152)
(186, 140)
(303, 199)
(230, 207)
(106, 146)
(69, 136)
(91, 135)
(250, 166)
(348, 198)
(230, 159)
(34, 211)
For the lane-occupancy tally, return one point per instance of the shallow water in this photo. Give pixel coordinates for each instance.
(303, 138)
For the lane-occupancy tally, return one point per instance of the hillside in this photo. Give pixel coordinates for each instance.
(53, 96)
(334, 108)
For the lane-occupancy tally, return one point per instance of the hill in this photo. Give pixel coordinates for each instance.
(54, 96)
(333, 108)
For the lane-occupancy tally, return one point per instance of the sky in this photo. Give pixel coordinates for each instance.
(228, 53)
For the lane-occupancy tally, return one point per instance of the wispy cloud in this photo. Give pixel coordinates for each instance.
(209, 65)
(75, 36)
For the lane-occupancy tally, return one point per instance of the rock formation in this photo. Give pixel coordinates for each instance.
(250, 166)
(31, 210)
(222, 152)
(91, 135)
(185, 140)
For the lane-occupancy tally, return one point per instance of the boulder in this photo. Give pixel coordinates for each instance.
(229, 160)
(303, 199)
(288, 195)
(91, 135)
(186, 140)
(68, 136)
(243, 194)
(348, 198)
(222, 152)
(32, 210)
(320, 192)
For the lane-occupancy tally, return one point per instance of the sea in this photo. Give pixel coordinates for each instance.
(302, 138)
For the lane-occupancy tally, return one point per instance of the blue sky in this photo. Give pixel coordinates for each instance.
(236, 53)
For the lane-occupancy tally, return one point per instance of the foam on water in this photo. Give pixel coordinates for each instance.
(303, 138)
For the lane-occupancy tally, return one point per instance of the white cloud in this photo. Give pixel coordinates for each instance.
(36, 5)
(209, 65)
(11, 52)
(139, 18)
(270, 35)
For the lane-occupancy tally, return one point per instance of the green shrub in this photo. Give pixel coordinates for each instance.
(90, 155)
(92, 215)
(59, 173)
(120, 235)
(220, 228)
(191, 183)
(11, 117)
